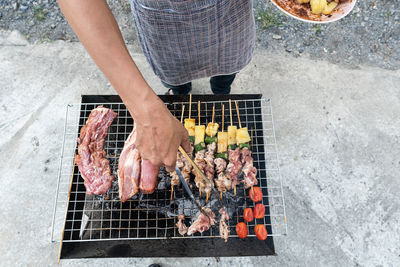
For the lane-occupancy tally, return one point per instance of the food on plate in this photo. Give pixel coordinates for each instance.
(182, 228)
(241, 230)
(259, 211)
(256, 194)
(135, 173)
(223, 226)
(91, 158)
(248, 215)
(203, 222)
(261, 231)
(315, 10)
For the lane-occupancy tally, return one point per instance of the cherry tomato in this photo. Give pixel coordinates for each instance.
(261, 232)
(248, 215)
(259, 211)
(256, 194)
(241, 230)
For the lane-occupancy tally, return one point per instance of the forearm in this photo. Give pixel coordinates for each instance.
(98, 31)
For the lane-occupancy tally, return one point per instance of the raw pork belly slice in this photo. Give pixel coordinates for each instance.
(148, 177)
(91, 158)
(202, 223)
(129, 169)
(135, 173)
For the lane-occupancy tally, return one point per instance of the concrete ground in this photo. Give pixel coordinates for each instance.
(338, 136)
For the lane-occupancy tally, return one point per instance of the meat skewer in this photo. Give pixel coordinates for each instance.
(210, 140)
(200, 154)
(223, 182)
(242, 140)
(235, 164)
(91, 159)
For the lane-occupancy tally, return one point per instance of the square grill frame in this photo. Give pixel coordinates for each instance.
(115, 226)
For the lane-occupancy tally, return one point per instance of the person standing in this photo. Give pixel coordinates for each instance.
(182, 40)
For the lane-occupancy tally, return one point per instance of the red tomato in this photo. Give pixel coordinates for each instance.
(248, 215)
(256, 194)
(241, 230)
(261, 232)
(259, 211)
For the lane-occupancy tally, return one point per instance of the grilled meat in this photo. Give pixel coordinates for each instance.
(129, 169)
(202, 223)
(91, 158)
(209, 167)
(234, 165)
(182, 228)
(223, 226)
(223, 181)
(248, 169)
(200, 182)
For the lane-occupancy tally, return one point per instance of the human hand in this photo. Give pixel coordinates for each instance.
(159, 134)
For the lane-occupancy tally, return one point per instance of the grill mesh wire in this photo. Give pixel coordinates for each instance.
(154, 216)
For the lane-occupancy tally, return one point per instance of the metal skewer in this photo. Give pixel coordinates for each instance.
(185, 185)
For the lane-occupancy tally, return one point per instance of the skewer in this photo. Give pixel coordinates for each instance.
(198, 109)
(230, 111)
(237, 111)
(230, 114)
(183, 111)
(251, 145)
(213, 114)
(223, 116)
(190, 105)
(172, 187)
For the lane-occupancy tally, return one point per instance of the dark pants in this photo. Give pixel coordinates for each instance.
(220, 85)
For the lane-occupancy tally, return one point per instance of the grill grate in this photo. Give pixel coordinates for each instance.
(80, 217)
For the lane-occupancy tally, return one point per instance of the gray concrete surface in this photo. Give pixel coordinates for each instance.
(338, 135)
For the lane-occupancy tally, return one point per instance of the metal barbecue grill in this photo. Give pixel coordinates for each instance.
(144, 226)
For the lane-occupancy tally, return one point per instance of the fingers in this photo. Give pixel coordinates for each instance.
(185, 142)
(170, 162)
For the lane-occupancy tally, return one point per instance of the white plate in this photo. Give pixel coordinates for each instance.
(340, 12)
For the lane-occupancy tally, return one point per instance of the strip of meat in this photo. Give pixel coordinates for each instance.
(248, 169)
(129, 169)
(91, 159)
(202, 223)
(182, 228)
(234, 165)
(223, 226)
(148, 177)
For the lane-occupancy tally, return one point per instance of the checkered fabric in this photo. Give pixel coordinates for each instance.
(185, 40)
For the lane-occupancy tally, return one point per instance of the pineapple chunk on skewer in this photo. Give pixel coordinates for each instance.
(190, 126)
(232, 135)
(242, 136)
(199, 134)
(212, 129)
(222, 142)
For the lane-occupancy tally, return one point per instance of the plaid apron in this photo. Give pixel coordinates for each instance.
(185, 40)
